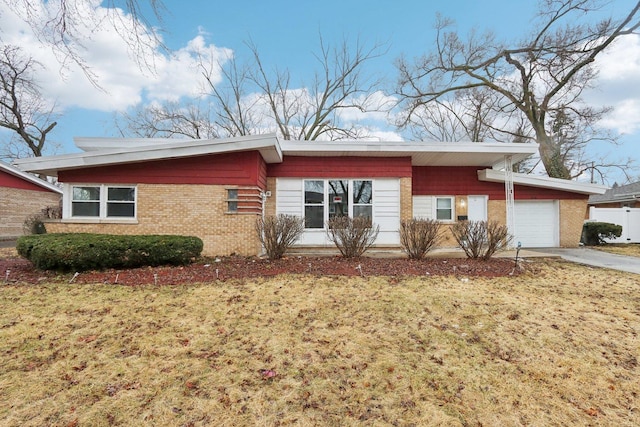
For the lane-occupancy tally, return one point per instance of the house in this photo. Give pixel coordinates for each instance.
(215, 189)
(618, 205)
(22, 195)
(622, 196)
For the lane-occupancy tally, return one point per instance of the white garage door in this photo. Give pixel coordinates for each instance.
(536, 224)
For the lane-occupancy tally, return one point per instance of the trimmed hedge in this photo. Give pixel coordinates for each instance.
(81, 252)
(594, 233)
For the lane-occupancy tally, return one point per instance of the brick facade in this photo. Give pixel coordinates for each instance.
(571, 222)
(195, 210)
(17, 204)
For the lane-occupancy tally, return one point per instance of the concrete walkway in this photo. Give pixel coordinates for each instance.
(595, 258)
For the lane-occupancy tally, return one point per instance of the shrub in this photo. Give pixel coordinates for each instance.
(80, 252)
(481, 239)
(352, 236)
(418, 236)
(594, 233)
(278, 233)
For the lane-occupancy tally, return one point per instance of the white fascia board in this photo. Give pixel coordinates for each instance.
(30, 178)
(103, 143)
(492, 175)
(400, 148)
(267, 145)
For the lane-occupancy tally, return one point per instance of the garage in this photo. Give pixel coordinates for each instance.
(536, 223)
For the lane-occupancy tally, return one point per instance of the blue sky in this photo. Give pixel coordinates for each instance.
(287, 34)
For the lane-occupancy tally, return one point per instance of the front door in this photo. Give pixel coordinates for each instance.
(477, 208)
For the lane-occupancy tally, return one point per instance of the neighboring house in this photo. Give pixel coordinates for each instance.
(622, 196)
(618, 205)
(215, 189)
(22, 195)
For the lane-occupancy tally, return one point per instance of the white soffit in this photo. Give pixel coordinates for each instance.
(421, 153)
(492, 175)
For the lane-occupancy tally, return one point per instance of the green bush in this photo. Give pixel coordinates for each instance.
(594, 233)
(81, 252)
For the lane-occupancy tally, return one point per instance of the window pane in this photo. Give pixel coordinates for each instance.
(85, 209)
(362, 193)
(313, 192)
(365, 211)
(444, 203)
(232, 206)
(338, 198)
(122, 194)
(86, 193)
(314, 216)
(121, 209)
(443, 209)
(232, 194)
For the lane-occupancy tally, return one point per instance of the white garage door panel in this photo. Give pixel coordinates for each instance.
(536, 224)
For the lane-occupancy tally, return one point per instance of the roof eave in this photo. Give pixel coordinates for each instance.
(492, 175)
(267, 145)
(30, 178)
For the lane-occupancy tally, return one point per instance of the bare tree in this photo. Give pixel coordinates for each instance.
(314, 113)
(168, 120)
(251, 99)
(23, 110)
(65, 24)
(537, 79)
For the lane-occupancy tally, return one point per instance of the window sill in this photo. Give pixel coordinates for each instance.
(99, 221)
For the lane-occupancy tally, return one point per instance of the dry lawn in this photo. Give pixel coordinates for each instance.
(556, 346)
(630, 249)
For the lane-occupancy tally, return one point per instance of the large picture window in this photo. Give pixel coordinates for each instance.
(325, 199)
(103, 201)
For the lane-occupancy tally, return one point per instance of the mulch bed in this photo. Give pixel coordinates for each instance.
(18, 270)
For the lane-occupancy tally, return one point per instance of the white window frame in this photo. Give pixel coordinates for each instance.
(325, 204)
(452, 199)
(67, 208)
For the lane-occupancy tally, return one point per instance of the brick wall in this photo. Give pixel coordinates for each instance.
(16, 205)
(195, 210)
(406, 199)
(571, 222)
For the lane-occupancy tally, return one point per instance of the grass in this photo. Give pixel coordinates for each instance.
(630, 249)
(557, 346)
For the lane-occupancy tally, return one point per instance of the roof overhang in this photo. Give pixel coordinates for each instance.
(421, 153)
(267, 145)
(11, 170)
(492, 175)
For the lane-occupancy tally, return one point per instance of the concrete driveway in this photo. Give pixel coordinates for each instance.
(595, 258)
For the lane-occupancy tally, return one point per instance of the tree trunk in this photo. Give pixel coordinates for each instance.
(551, 157)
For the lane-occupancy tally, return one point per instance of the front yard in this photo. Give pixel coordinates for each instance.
(556, 345)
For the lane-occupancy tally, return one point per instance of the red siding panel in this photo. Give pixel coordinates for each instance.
(242, 168)
(11, 181)
(341, 167)
(463, 180)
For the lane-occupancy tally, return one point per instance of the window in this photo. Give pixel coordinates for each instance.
(314, 204)
(85, 201)
(232, 200)
(325, 199)
(102, 201)
(363, 199)
(121, 202)
(444, 208)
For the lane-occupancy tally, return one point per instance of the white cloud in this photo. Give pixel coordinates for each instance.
(118, 71)
(618, 85)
